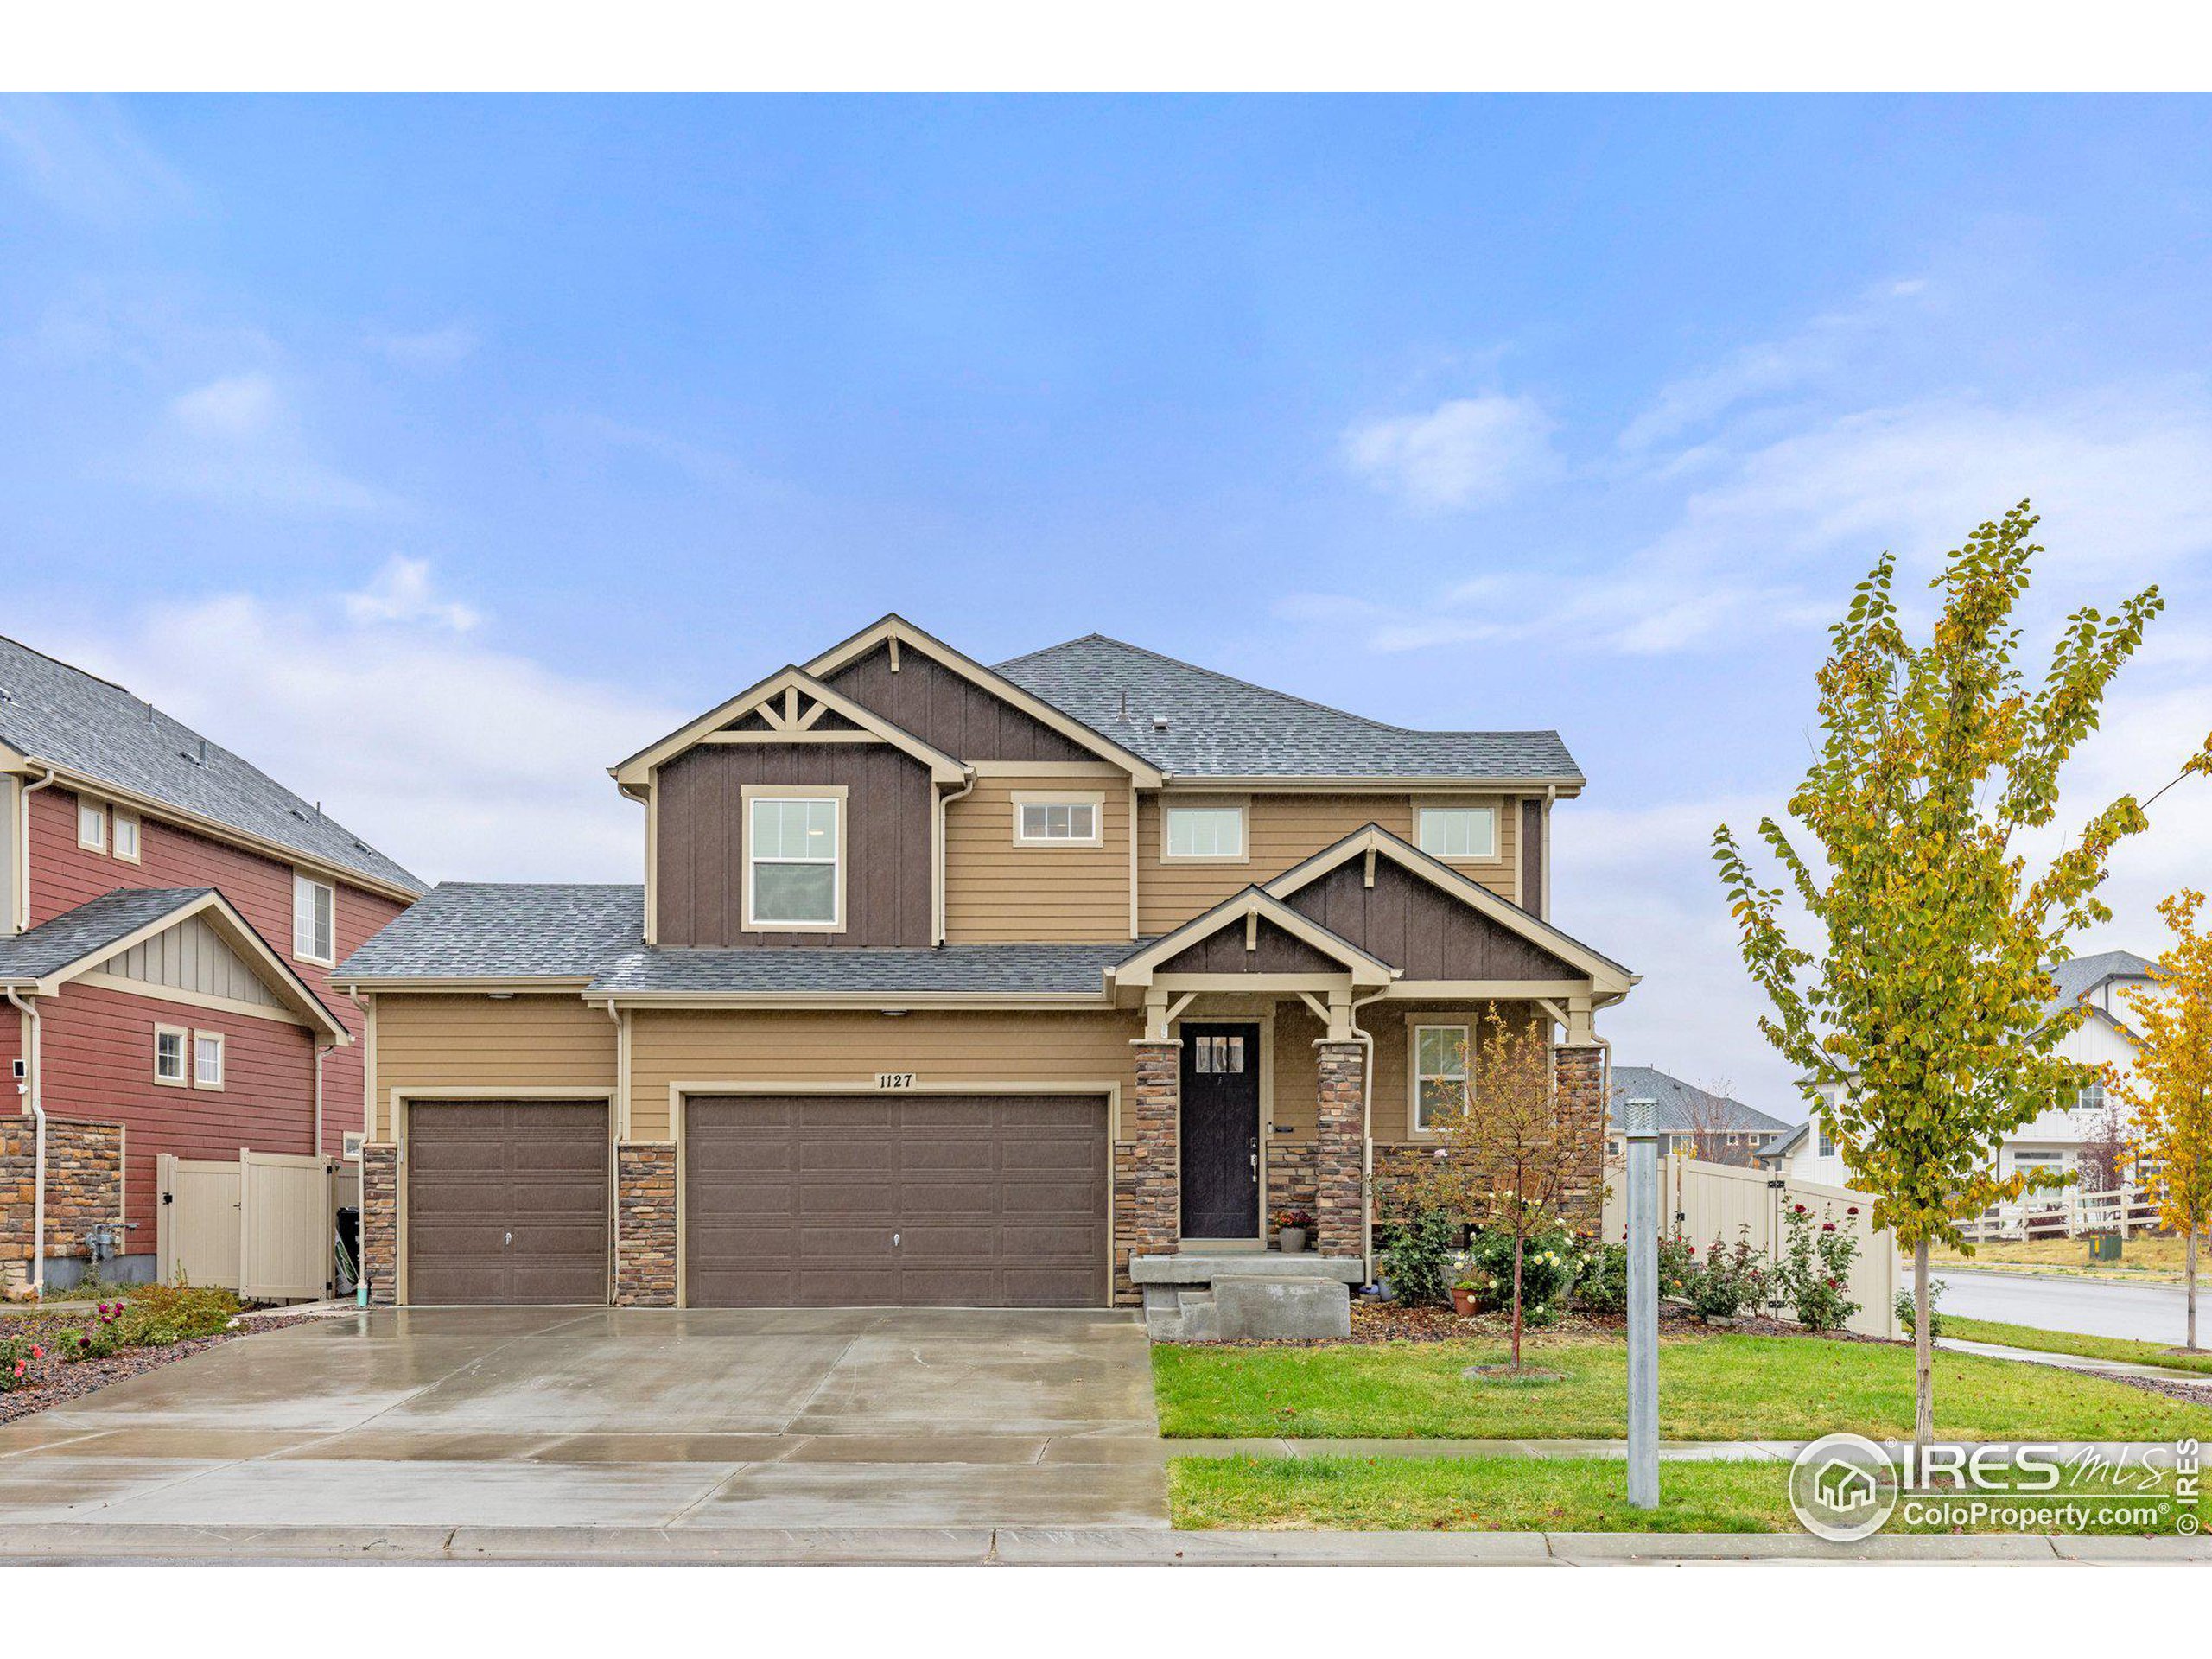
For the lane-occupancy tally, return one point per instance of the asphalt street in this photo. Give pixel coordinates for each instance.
(2097, 1307)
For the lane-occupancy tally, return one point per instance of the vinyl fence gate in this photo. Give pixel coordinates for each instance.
(262, 1226)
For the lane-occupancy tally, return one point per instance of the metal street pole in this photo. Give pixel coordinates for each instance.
(1640, 1119)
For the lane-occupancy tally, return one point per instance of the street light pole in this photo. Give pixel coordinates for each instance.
(1640, 1120)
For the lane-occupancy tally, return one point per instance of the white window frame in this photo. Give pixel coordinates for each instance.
(304, 887)
(117, 821)
(1492, 809)
(1240, 804)
(1024, 799)
(1416, 1076)
(835, 794)
(1823, 1142)
(183, 1077)
(222, 1061)
(91, 817)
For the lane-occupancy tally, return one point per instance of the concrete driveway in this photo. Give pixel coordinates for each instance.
(606, 1417)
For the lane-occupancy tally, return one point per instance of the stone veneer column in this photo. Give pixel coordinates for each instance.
(1340, 1182)
(1579, 1085)
(645, 1223)
(1146, 1189)
(380, 1221)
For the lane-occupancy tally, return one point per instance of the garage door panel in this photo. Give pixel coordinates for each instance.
(506, 1202)
(996, 1201)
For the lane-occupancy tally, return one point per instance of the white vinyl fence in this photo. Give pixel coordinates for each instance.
(1704, 1202)
(263, 1226)
(2067, 1213)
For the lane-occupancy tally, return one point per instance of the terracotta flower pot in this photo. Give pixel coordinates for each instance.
(1463, 1301)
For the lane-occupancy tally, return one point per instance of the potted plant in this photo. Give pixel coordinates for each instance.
(1469, 1286)
(1292, 1229)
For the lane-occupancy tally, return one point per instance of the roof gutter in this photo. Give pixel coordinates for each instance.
(33, 1089)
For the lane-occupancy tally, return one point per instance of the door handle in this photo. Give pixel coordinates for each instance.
(510, 1241)
(894, 1240)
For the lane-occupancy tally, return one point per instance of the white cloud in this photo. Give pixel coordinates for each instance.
(239, 439)
(1464, 451)
(432, 348)
(83, 156)
(401, 592)
(233, 408)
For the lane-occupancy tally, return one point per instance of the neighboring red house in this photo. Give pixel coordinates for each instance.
(169, 916)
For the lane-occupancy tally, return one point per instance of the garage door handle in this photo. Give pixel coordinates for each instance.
(894, 1240)
(510, 1241)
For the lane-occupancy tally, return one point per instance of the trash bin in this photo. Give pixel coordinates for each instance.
(2104, 1246)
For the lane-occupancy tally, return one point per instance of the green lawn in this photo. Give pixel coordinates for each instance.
(2067, 1342)
(1489, 1494)
(1722, 1387)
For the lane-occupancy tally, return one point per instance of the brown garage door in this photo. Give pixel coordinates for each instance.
(917, 1201)
(506, 1202)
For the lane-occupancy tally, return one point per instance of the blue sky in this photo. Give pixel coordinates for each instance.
(439, 452)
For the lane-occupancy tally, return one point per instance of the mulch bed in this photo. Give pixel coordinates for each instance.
(54, 1381)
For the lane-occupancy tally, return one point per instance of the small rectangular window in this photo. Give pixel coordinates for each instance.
(168, 1055)
(1827, 1142)
(127, 836)
(206, 1059)
(1458, 832)
(1042, 822)
(1216, 832)
(1439, 1075)
(92, 825)
(314, 920)
(791, 876)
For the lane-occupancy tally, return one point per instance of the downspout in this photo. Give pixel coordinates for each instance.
(937, 897)
(23, 917)
(35, 1095)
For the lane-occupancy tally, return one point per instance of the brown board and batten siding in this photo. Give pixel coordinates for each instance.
(997, 892)
(1532, 857)
(448, 1043)
(889, 817)
(1417, 927)
(1282, 830)
(949, 710)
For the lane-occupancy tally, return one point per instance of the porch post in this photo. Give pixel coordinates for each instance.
(1146, 1195)
(1341, 1130)
(380, 1221)
(1578, 1089)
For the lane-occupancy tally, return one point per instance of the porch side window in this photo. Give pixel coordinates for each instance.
(1452, 832)
(1439, 1075)
(791, 870)
(1205, 832)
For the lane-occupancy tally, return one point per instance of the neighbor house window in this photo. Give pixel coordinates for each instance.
(1826, 1141)
(1439, 1075)
(206, 1059)
(92, 825)
(1215, 832)
(1458, 831)
(1050, 821)
(127, 836)
(791, 873)
(314, 920)
(2092, 1098)
(168, 1055)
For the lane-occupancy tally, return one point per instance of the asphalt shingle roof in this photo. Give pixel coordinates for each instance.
(1221, 727)
(92, 927)
(973, 969)
(52, 712)
(2078, 975)
(1685, 1108)
(479, 930)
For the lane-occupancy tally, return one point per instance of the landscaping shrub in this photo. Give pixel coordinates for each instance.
(1602, 1286)
(17, 1354)
(160, 1314)
(1677, 1264)
(1551, 1260)
(1816, 1268)
(1418, 1256)
(1909, 1310)
(1731, 1279)
(100, 1338)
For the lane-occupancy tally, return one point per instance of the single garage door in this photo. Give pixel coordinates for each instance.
(915, 1201)
(506, 1201)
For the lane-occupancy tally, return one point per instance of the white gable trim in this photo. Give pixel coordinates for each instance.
(785, 683)
(1139, 969)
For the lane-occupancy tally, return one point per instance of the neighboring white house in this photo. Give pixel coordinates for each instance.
(2051, 1141)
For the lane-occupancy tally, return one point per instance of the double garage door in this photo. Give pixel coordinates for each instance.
(797, 1201)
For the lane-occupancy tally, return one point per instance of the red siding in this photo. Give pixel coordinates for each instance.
(97, 1047)
(65, 875)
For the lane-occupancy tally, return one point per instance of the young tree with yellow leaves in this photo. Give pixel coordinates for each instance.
(2170, 1093)
(1924, 1004)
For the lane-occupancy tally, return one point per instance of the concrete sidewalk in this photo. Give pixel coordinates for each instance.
(2078, 1362)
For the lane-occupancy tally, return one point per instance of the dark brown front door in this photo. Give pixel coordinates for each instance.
(894, 1200)
(1221, 1131)
(506, 1202)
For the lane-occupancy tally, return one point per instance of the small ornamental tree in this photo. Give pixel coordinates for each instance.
(2170, 1090)
(1511, 1159)
(1924, 1004)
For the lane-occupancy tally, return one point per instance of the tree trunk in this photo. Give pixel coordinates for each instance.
(2188, 1279)
(1517, 1299)
(1923, 1352)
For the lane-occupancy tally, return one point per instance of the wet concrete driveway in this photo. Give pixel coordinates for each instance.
(606, 1417)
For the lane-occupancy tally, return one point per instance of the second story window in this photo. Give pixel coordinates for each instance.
(1215, 832)
(791, 873)
(1458, 832)
(168, 1055)
(1055, 821)
(206, 1059)
(314, 920)
(1827, 1141)
(92, 825)
(127, 836)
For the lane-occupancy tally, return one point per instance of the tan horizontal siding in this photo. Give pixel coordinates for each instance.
(526, 1041)
(808, 1048)
(995, 891)
(1284, 831)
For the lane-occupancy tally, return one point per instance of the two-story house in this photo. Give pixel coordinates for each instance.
(1693, 1121)
(949, 984)
(170, 916)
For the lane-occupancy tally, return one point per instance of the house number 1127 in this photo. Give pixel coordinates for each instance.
(894, 1079)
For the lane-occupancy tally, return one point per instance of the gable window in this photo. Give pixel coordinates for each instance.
(92, 825)
(2092, 1097)
(206, 1059)
(1055, 821)
(1457, 832)
(168, 1055)
(1215, 832)
(793, 870)
(314, 920)
(1440, 1076)
(127, 836)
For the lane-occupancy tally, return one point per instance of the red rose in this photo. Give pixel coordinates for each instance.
(1828, 1226)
